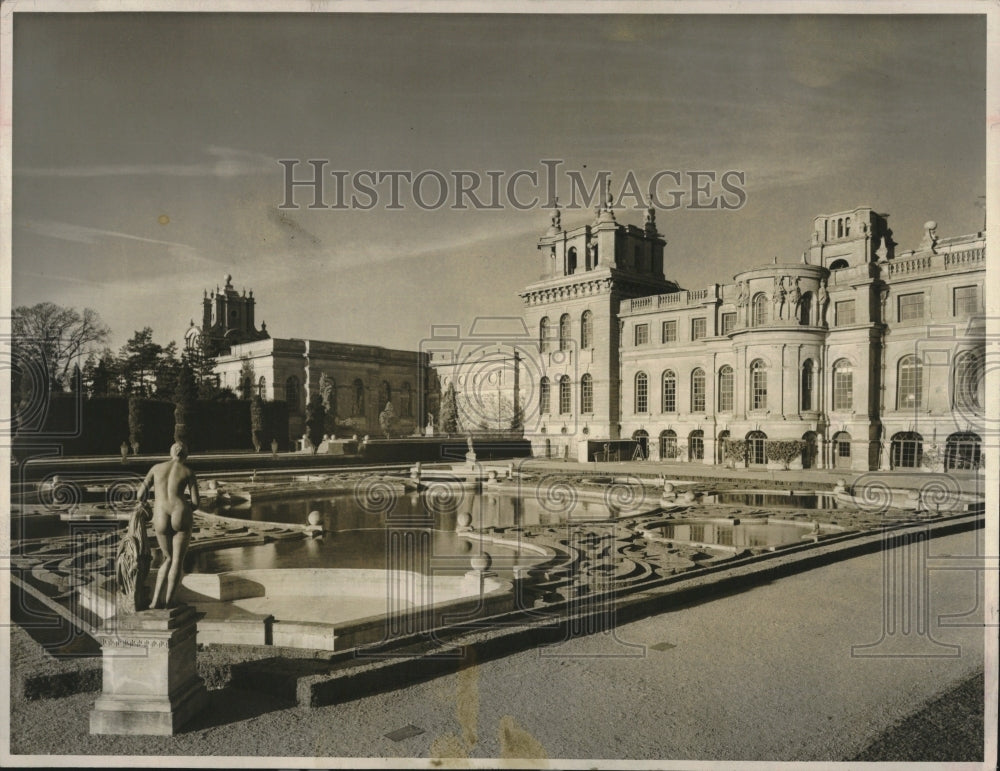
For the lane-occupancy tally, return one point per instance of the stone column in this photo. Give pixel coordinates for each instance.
(151, 684)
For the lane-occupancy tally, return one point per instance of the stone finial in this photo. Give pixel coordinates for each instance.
(229, 280)
(930, 236)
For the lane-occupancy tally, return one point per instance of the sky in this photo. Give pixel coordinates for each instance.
(146, 149)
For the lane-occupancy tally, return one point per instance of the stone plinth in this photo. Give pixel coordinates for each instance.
(151, 684)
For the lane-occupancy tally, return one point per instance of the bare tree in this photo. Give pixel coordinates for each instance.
(55, 337)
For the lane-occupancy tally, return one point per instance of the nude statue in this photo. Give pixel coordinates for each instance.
(173, 518)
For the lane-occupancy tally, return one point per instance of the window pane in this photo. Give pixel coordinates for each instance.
(966, 301)
(844, 313)
(728, 323)
(726, 389)
(697, 328)
(669, 331)
(587, 394)
(669, 391)
(842, 386)
(641, 393)
(911, 306)
(698, 390)
(641, 334)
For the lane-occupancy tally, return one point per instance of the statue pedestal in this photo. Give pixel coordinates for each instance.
(151, 684)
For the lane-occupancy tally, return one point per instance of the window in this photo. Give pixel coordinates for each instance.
(963, 451)
(359, 397)
(756, 454)
(641, 392)
(669, 331)
(696, 445)
(669, 391)
(564, 332)
(759, 309)
(543, 334)
(911, 306)
(543, 396)
(843, 385)
(806, 386)
(262, 387)
(838, 264)
(965, 300)
(842, 450)
(968, 383)
(565, 396)
(406, 401)
(698, 390)
(805, 308)
(292, 393)
(728, 322)
(698, 328)
(586, 394)
(587, 330)
(668, 444)
(843, 313)
(571, 261)
(909, 383)
(726, 389)
(906, 450)
(641, 334)
(758, 385)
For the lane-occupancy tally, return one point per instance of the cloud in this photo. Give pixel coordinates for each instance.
(81, 234)
(224, 163)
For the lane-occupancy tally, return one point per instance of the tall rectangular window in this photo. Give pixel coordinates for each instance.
(726, 389)
(669, 331)
(843, 313)
(641, 334)
(698, 328)
(911, 306)
(965, 301)
(728, 322)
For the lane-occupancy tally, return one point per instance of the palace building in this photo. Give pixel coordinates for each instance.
(360, 379)
(867, 356)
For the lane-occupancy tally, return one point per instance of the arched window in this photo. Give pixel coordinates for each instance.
(593, 251)
(669, 391)
(759, 309)
(967, 388)
(720, 447)
(544, 389)
(668, 444)
(571, 261)
(359, 397)
(906, 450)
(586, 394)
(806, 386)
(564, 332)
(292, 393)
(838, 264)
(642, 439)
(840, 228)
(758, 385)
(698, 390)
(843, 385)
(262, 387)
(696, 445)
(963, 450)
(805, 308)
(756, 448)
(842, 450)
(406, 401)
(641, 392)
(726, 389)
(587, 330)
(847, 227)
(565, 396)
(909, 383)
(543, 334)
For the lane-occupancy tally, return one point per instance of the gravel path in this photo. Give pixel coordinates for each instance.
(766, 674)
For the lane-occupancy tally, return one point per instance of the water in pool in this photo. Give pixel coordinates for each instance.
(746, 535)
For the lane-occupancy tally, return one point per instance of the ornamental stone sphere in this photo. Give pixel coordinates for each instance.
(481, 561)
(314, 518)
(464, 520)
(930, 225)
(668, 487)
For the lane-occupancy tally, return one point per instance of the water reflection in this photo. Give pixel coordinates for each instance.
(744, 535)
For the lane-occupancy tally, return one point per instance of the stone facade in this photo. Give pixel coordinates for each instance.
(227, 319)
(872, 358)
(365, 378)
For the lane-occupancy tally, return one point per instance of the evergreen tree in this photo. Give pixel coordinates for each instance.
(184, 395)
(257, 422)
(449, 410)
(136, 426)
(315, 420)
(386, 418)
